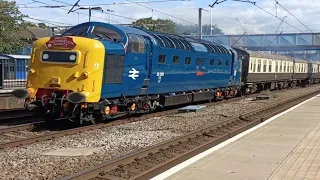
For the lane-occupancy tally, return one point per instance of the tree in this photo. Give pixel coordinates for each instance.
(11, 26)
(29, 24)
(42, 25)
(160, 25)
(215, 30)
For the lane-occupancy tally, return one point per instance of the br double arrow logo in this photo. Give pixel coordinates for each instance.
(134, 73)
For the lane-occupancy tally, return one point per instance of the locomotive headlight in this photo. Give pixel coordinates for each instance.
(45, 56)
(72, 57)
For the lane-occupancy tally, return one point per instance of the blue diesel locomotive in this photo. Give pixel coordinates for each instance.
(97, 70)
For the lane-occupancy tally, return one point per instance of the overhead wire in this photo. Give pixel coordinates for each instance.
(124, 3)
(276, 17)
(293, 16)
(105, 4)
(73, 12)
(47, 21)
(100, 12)
(161, 12)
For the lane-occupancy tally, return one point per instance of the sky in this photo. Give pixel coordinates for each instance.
(231, 16)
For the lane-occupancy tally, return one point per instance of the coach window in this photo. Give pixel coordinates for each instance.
(107, 33)
(280, 66)
(259, 65)
(270, 65)
(277, 66)
(211, 62)
(300, 68)
(264, 65)
(162, 59)
(187, 60)
(175, 59)
(288, 67)
(219, 62)
(227, 62)
(254, 65)
(251, 65)
(284, 66)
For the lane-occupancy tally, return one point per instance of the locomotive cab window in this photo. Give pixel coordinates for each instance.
(78, 31)
(136, 44)
(56, 56)
(162, 59)
(107, 33)
(219, 62)
(175, 59)
(187, 60)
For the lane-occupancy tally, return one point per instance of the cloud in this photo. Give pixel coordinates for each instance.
(253, 19)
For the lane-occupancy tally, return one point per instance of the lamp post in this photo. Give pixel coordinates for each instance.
(210, 19)
(110, 11)
(90, 9)
(211, 6)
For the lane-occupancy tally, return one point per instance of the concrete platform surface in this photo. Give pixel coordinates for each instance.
(284, 147)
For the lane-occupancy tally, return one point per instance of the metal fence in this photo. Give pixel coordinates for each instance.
(13, 71)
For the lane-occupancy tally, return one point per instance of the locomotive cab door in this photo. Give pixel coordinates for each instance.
(148, 65)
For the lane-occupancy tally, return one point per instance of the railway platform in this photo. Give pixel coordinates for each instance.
(7, 101)
(286, 146)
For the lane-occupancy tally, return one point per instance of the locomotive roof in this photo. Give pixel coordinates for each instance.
(211, 47)
(167, 40)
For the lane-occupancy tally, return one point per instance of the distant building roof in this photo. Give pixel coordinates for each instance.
(35, 33)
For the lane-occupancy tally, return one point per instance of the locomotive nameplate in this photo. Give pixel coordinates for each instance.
(61, 42)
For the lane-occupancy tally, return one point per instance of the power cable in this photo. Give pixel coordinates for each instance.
(104, 4)
(100, 12)
(47, 21)
(123, 3)
(293, 16)
(276, 17)
(42, 22)
(161, 12)
(73, 12)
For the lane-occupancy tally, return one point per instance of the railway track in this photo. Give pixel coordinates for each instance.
(15, 116)
(18, 135)
(154, 160)
(16, 140)
(13, 136)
